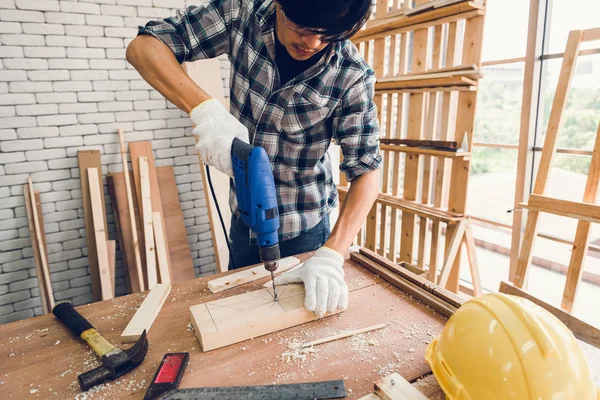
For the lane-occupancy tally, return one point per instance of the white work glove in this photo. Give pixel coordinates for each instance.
(216, 128)
(323, 277)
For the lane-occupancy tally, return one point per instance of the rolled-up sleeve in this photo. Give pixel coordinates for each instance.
(199, 32)
(356, 128)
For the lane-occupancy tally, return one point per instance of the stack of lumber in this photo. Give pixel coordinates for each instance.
(149, 221)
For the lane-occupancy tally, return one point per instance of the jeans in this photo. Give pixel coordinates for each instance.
(244, 254)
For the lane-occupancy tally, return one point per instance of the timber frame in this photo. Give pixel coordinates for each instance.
(427, 61)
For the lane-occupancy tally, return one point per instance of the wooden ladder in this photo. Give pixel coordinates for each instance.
(587, 211)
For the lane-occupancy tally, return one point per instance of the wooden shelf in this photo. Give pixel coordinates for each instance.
(424, 82)
(413, 207)
(405, 21)
(426, 152)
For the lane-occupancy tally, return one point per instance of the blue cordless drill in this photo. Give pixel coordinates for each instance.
(257, 200)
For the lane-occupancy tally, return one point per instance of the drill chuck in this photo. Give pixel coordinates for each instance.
(269, 255)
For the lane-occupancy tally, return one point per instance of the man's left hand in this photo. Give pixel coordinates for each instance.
(323, 278)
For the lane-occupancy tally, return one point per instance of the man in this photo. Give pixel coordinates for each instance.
(296, 83)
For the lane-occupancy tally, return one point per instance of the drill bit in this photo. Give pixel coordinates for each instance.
(274, 287)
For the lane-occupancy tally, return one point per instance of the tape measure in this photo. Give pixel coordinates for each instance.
(165, 385)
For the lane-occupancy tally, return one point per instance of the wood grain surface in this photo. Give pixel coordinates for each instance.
(40, 355)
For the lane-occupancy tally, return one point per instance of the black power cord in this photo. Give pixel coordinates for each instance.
(214, 196)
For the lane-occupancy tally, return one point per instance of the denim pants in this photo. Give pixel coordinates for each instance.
(244, 254)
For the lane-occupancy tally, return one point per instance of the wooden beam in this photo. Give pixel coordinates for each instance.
(91, 159)
(430, 152)
(111, 248)
(423, 143)
(572, 209)
(144, 149)
(395, 387)
(146, 199)
(417, 292)
(469, 242)
(452, 252)
(39, 247)
(145, 315)
(582, 235)
(399, 83)
(582, 331)
(132, 222)
(343, 335)
(99, 233)
(161, 248)
(249, 315)
(590, 35)
(438, 291)
(249, 275)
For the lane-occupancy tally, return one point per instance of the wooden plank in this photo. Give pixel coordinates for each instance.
(582, 235)
(395, 387)
(452, 253)
(99, 232)
(91, 159)
(448, 144)
(117, 191)
(389, 24)
(397, 83)
(526, 252)
(234, 319)
(182, 265)
(414, 278)
(249, 275)
(132, 221)
(430, 152)
(590, 35)
(38, 244)
(144, 149)
(572, 209)
(582, 331)
(557, 113)
(417, 292)
(469, 242)
(111, 248)
(146, 199)
(343, 335)
(161, 248)
(145, 315)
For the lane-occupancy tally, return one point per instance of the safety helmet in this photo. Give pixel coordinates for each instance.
(503, 347)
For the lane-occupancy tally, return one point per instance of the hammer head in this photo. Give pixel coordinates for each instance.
(115, 363)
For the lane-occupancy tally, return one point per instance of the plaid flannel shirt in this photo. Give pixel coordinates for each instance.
(293, 122)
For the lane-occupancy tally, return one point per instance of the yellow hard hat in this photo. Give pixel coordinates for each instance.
(503, 347)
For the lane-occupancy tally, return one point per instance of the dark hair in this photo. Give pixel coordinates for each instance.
(334, 19)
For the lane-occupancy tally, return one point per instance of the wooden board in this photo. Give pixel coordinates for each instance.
(111, 247)
(417, 292)
(249, 275)
(91, 159)
(146, 202)
(39, 363)
(395, 387)
(571, 209)
(144, 149)
(116, 188)
(182, 266)
(145, 315)
(99, 232)
(234, 319)
(130, 208)
(36, 232)
(161, 249)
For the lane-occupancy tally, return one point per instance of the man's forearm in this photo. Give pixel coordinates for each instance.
(158, 66)
(355, 208)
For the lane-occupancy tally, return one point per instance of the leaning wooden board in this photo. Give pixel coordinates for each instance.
(91, 159)
(182, 266)
(49, 360)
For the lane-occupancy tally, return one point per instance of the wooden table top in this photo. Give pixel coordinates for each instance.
(40, 358)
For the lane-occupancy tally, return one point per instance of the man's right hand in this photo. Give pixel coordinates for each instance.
(215, 129)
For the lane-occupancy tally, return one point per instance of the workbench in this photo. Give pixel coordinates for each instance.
(40, 358)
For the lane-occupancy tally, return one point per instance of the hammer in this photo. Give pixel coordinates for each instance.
(115, 362)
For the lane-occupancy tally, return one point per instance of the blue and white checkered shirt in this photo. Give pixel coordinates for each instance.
(294, 122)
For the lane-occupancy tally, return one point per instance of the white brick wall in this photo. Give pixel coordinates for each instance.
(65, 86)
